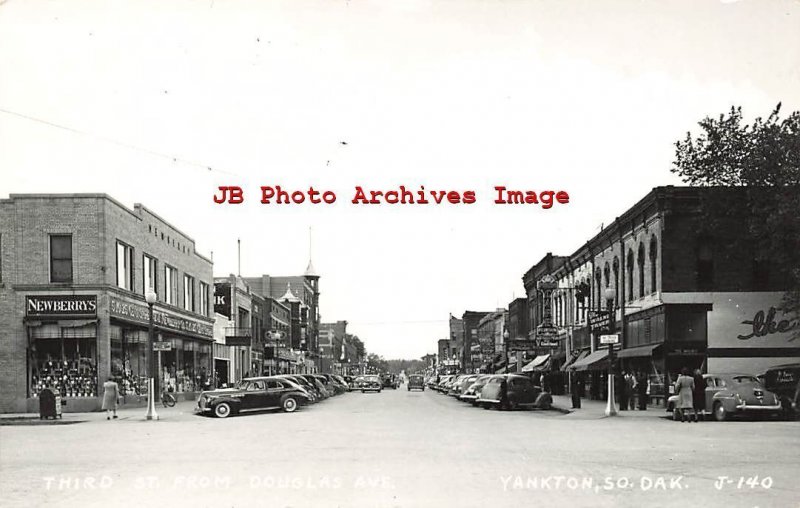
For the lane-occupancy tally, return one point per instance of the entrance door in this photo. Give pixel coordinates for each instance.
(221, 368)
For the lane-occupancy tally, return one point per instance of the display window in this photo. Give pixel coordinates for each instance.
(187, 366)
(64, 357)
(129, 360)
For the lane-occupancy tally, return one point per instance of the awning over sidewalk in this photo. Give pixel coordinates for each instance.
(591, 362)
(537, 363)
(580, 356)
(638, 352)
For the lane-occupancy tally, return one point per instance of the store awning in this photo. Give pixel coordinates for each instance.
(536, 364)
(590, 362)
(638, 352)
(583, 354)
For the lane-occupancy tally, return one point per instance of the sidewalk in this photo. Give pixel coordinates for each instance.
(593, 409)
(124, 412)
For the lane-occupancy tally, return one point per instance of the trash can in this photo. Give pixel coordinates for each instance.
(49, 404)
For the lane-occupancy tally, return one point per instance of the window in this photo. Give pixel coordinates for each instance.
(170, 285)
(188, 293)
(597, 280)
(640, 263)
(653, 259)
(256, 386)
(630, 274)
(204, 299)
(705, 264)
(124, 266)
(60, 258)
(149, 274)
(617, 292)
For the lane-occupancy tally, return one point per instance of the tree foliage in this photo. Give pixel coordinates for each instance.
(763, 158)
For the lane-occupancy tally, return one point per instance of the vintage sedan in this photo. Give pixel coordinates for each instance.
(473, 391)
(521, 393)
(416, 382)
(735, 394)
(784, 381)
(461, 384)
(371, 383)
(253, 394)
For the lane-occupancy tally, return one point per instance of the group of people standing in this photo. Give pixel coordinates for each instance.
(632, 388)
(691, 391)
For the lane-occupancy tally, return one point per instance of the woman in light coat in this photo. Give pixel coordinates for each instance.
(684, 387)
(110, 397)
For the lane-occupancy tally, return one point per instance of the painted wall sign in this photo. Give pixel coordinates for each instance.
(61, 306)
(140, 314)
(766, 323)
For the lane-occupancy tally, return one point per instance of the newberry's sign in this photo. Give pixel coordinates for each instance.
(61, 306)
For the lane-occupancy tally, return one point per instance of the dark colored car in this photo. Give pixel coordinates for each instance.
(416, 382)
(316, 396)
(254, 394)
(521, 392)
(371, 383)
(390, 381)
(784, 381)
(735, 394)
(320, 386)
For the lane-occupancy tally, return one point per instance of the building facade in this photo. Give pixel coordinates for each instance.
(75, 269)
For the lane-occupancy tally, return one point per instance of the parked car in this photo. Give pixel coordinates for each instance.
(253, 394)
(442, 384)
(733, 395)
(461, 384)
(416, 382)
(473, 391)
(323, 390)
(520, 390)
(309, 387)
(371, 383)
(784, 381)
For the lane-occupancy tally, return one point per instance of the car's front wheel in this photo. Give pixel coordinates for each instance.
(289, 404)
(222, 410)
(720, 414)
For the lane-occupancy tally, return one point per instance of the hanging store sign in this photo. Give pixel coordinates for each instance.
(609, 339)
(548, 343)
(599, 319)
(162, 345)
(61, 306)
(521, 345)
(141, 314)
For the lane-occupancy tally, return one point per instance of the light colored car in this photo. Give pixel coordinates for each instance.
(728, 395)
(473, 391)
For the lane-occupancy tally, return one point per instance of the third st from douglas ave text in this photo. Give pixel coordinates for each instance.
(401, 195)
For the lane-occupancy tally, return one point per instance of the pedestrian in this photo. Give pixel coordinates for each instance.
(110, 397)
(641, 385)
(699, 395)
(684, 387)
(630, 389)
(621, 386)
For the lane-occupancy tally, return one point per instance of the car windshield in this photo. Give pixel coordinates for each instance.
(372, 378)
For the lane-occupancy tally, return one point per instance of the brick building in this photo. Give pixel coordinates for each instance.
(682, 295)
(75, 268)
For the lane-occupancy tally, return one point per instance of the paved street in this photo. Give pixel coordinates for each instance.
(397, 448)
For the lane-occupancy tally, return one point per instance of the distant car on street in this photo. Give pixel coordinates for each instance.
(371, 383)
(416, 382)
(733, 395)
(390, 381)
(253, 394)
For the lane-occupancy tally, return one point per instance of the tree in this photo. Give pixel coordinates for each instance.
(377, 362)
(764, 160)
(361, 351)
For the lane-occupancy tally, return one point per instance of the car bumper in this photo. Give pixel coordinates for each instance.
(493, 401)
(758, 409)
(467, 396)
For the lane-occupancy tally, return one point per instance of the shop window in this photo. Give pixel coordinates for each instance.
(64, 358)
(149, 274)
(204, 293)
(124, 266)
(170, 285)
(60, 258)
(640, 266)
(188, 293)
(653, 265)
(129, 360)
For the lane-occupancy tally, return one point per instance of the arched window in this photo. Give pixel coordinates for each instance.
(607, 274)
(598, 284)
(617, 292)
(653, 263)
(640, 263)
(629, 267)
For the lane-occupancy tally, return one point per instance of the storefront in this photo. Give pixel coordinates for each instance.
(185, 366)
(62, 332)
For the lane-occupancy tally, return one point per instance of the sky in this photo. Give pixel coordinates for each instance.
(160, 103)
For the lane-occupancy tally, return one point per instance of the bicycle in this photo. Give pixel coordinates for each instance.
(167, 399)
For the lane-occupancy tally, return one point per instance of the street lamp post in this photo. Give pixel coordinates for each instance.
(611, 406)
(152, 381)
(505, 346)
